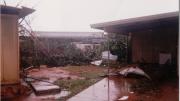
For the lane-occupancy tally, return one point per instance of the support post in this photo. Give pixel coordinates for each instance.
(129, 48)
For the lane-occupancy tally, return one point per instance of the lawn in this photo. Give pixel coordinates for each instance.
(90, 75)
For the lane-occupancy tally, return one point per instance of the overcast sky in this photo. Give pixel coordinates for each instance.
(77, 15)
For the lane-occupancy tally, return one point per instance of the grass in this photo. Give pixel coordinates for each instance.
(91, 75)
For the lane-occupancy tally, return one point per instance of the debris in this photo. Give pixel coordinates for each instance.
(54, 96)
(111, 57)
(97, 62)
(131, 92)
(45, 88)
(28, 68)
(133, 70)
(42, 81)
(123, 98)
(43, 66)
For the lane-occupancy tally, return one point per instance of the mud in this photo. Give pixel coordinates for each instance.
(51, 74)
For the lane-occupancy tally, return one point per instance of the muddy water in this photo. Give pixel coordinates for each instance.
(117, 87)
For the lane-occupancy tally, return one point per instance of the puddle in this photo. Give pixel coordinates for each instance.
(100, 92)
(120, 90)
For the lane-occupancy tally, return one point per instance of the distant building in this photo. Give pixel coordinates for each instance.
(82, 40)
(86, 46)
(69, 34)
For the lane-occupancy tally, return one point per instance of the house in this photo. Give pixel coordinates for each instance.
(82, 40)
(152, 39)
(62, 34)
(9, 46)
(86, 46)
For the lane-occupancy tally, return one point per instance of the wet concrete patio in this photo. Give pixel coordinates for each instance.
(120, 87)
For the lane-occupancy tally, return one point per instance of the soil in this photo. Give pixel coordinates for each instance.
(52, 74)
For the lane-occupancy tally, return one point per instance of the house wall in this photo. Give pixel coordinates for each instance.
(148, 44)
(9, 49)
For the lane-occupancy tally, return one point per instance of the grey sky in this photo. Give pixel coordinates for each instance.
(77, 15)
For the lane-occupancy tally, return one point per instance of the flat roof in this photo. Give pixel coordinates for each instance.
(139, 21)
(21, 12)
(68, 34)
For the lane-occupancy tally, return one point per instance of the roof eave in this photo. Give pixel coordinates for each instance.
(21, 12)
(25, 11)
(104, 25)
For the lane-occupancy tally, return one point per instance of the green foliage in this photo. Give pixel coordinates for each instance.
(59, 52)
(118, 46)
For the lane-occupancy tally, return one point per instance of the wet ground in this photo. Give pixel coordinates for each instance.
(119, 88)
(114, 88)
(33, 97)
(51, 74)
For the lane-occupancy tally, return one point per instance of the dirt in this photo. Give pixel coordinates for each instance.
(52, 74)
(78, 70)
